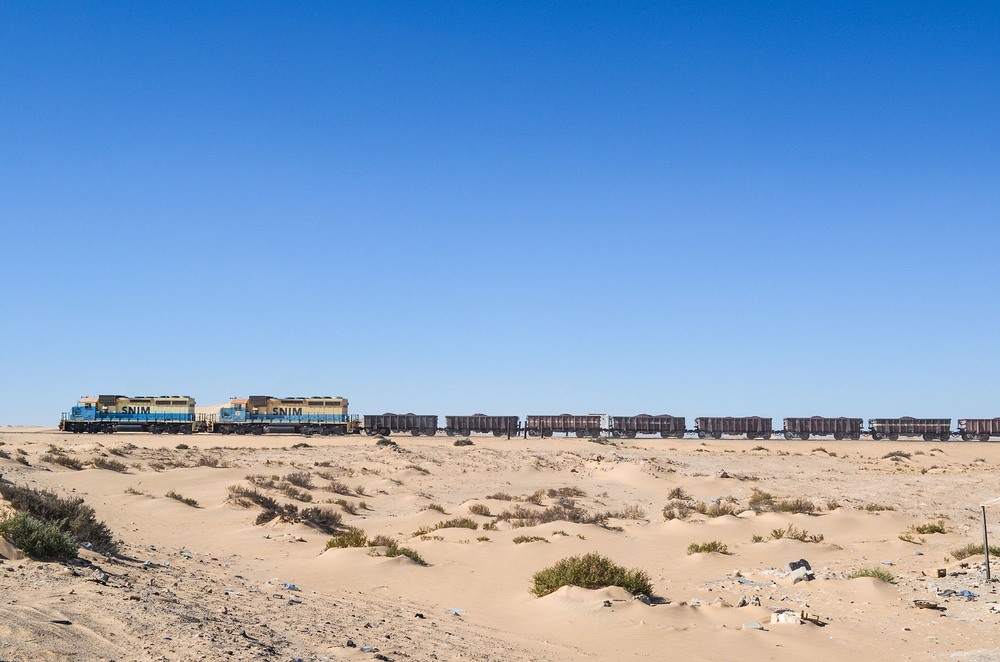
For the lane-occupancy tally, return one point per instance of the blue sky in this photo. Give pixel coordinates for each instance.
(781, 209)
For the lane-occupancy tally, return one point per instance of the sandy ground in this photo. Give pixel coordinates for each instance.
(207, 582)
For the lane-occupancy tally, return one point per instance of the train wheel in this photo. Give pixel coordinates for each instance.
(258, 430)
(945, 436)
(767, 435)
(547, 432)
(804, 436)
(893, 437)
(839, 436)
(789, 435)
(430, 432)
(929, 437)
(415, 432)
(751, 435)
(877, 436)
(702, 435)
(716, 435)
(984, 437)
(856, 436)
(532, 433)
(679, 434)
(465, 433)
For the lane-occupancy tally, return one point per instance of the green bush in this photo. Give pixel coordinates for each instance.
(37, 539)
(708, 547)
(325, 520)
(930, 527)
(877, 573)
(70, 515)
(521, 539)
(110, 465)
(589, 571)
(185, 500)
(411, 554)
(973, 549)
(352, 537)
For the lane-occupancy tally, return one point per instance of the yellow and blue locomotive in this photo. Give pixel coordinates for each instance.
(172, 414)
(259, 414)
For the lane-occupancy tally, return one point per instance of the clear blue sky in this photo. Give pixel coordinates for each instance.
(782, 209)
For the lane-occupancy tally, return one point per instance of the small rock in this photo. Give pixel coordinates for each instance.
(753, 625)
(419, 615)
(350, 644)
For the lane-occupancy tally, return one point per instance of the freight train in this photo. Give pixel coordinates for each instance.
(263, 414)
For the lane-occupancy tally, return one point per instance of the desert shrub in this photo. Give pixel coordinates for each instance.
(435, 506)
(38, 539)
(717, 509)
(417, 467)
(208, 461)
(522, 539)
(795, 534)
(795, 506)
(760, 501)
(679, 493)
(677, 509)
(501, 496)
(463, 442)
(483, 538)
(819, 449)
(459, 523)
(629, 512)
(566, 492)
(876, 507)
(338, 487)
(479, 509)
(70, 515)
(63, 460)
(247, 496)
(929, 527)
(346, 506)
(110, 465)
(386, 443)
(755, 538)
(832, 504)
(877, 573)
(411, 554)
(972, 550)
(301, 479)
(559, 533)
(589, 571)
(262, 481)
(383, 541)
(322, 519)
(295, 493)
(716, 546)
(177, 497)
(900, 454)
(351, 537)
(760, 448)
(536, 497)
(490, 526)
(909, 537)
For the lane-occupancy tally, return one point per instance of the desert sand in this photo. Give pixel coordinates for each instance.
(207, 582)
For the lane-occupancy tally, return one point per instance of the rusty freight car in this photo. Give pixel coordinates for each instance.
(590, 425)
(716, 426)
(907, 426)
(664, 425)
(839, 428)
(978, 428)
(498, 426)
(415, 424)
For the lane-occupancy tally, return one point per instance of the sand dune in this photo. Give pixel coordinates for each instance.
(201, 582)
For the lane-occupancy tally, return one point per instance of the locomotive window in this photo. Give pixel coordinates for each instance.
(164, 402)
(315, 403)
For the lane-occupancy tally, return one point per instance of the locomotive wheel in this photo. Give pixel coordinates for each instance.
(258, 431)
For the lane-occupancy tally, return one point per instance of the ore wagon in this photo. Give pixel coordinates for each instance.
(714, 427)
(664, 425)
(839, 428)
(498, 426)
(415, 424)
(978, 428)
(907, 426)
(119, 413)
(590, 425)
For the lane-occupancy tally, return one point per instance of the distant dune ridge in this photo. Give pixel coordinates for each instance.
(235, 563)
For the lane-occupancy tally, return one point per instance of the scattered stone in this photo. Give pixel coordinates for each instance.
(786, 617)
(607, 603)
(753, 625)
(643, 598)
(350, 644)
(419, 615)
(801, 563)
(722, 474)
(802, 575)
